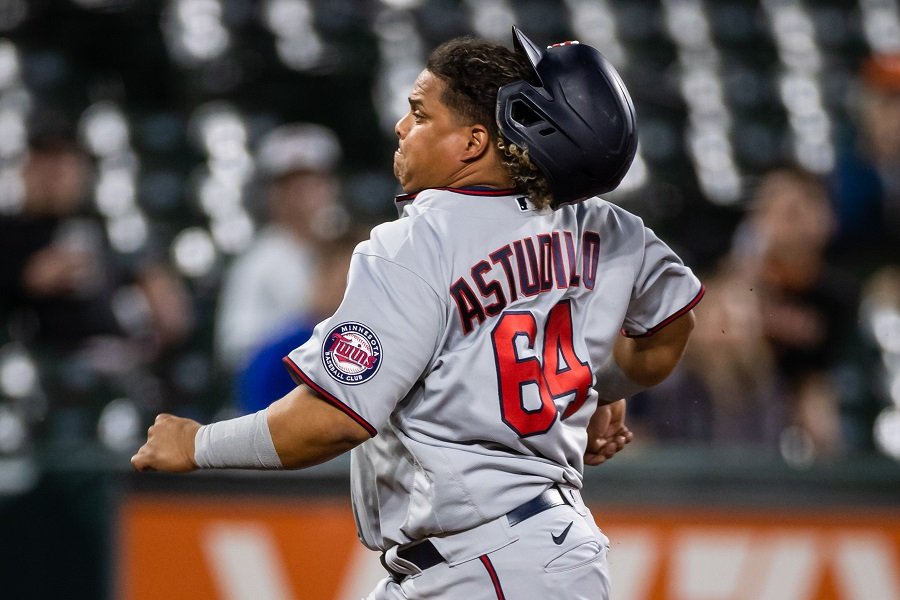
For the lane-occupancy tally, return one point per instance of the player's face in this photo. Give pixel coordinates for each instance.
(430, 138)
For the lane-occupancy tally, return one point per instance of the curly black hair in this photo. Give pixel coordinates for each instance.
(473, 71)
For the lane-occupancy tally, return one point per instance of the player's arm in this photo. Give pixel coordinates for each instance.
(299, 430)
(307, 430)
(649, 360)
(637, 363)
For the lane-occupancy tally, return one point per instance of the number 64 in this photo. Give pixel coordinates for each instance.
(560, 372)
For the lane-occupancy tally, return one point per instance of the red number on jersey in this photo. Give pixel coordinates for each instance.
(561, 374)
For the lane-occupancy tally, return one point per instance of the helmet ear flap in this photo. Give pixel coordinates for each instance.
(526, 115)
(523, 114)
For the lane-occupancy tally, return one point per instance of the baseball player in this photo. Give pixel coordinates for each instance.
(482, 336)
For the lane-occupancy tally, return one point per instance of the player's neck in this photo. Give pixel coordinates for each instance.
(486, 172)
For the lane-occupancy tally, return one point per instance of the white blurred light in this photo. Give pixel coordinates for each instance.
(397, 30)
(797, 447)
(131, 308)
(225, 136)
(491, 19)
(126, 160)
(128, 232)
(233, 233)
(119, 425)
(217, 122)
(300, 53)
(799, 85)
(193, 252)
(217, 196)
(637, 175)
(236, 170)
(711, 152)
(881, 24)
(298, 43)
(885, 323)
(723, 188)
(795, 35)
(709, 118)
(711, 148)
(402, 4)
(887, 432)
(800, 93)
(194, 30)
(202, 33)
(286, 16)
(392, 96)
(10, 67)
(12, 133)
(13, 432)
(12, 190)
(18, 373)
(104, 129)
(687, 23)
(891, 361)
(18, 99)
(704, 88)
(895, 389)
(815, 156)
(400, 50)
(594, 23)
(115, 192)
(813, 126)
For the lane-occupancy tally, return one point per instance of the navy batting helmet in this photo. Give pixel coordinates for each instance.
(576, 121)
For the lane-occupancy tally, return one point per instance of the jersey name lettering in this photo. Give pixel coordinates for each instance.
(528, 267)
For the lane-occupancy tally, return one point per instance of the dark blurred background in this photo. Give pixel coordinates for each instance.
(135, 182)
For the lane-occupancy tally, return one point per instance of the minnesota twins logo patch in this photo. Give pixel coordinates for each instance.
(351, 353)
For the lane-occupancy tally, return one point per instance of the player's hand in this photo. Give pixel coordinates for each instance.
(169, 446)
(607, 433)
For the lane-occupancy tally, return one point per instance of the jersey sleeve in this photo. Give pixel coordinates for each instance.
(664, 289)
(366, 357)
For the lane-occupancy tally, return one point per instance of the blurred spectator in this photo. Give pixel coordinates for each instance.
(769, 334)
(865, 184)
(53, 265)
(58, 274)
(808, 306)
(265, 379)
(82, 313)
(725, 390)
(270, 286)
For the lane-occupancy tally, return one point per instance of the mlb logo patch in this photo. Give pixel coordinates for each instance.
(351, 353)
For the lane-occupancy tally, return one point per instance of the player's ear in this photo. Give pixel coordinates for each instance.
(477, 143)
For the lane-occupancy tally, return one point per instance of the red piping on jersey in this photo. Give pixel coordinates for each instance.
(466, 191)
(294, 369)
(494, 579)
(682, 312)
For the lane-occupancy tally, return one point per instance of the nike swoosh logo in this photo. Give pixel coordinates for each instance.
(559, 539)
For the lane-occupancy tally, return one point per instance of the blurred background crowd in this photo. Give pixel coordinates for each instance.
(182, 183)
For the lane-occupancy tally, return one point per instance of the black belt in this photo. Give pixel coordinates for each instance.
(424, 555)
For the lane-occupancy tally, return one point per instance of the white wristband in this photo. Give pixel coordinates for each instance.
(613, 384)
(241, 443)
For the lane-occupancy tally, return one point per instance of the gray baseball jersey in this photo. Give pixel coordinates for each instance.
(467, 341)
